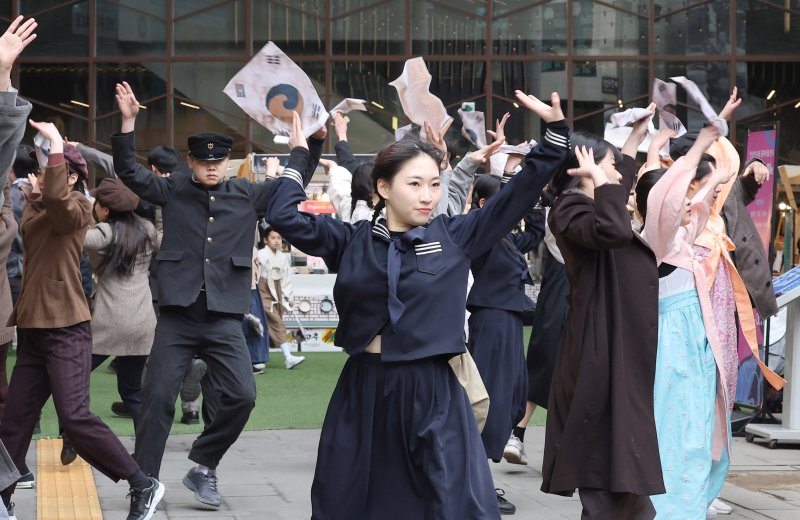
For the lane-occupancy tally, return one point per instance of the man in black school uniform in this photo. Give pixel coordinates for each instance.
(204, 277)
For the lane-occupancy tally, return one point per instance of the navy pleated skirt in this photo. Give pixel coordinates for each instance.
(257, 345)
(548, 324)
(399, 441)
(497, 346)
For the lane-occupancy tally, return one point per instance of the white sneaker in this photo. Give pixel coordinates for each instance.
(515, 451)
(293, 361)
(711, 512)
(721, 507)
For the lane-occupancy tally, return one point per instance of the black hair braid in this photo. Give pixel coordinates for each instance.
(378, 208)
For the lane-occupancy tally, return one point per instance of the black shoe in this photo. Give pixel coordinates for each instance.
(68, 453)
(121, 409)
(506, 507)
(144, 501)
(10, 509)
(190, 418)
(204, 486)
(26, 481)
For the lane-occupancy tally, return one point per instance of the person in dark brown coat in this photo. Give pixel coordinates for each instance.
(601, 435)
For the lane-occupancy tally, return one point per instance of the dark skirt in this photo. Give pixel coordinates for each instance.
(497, 346)
(257, 345)
(399, 441)
(548, 323)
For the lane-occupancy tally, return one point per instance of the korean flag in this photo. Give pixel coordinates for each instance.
(271, 87)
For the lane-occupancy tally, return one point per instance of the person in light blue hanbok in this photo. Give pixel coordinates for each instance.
(689, 390)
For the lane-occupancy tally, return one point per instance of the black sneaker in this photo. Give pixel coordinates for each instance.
(10, 509)
(506, 507)
(26, 481)
(204, 486)
(190, 418)
(144, 501)
(68, 453)
(121, 409)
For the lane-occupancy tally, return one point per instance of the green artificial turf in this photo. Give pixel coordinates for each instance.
(287, 399)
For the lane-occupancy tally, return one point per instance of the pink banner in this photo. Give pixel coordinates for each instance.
(762, 144)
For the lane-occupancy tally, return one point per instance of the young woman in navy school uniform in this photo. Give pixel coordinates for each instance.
(496, 303)
(399, 439)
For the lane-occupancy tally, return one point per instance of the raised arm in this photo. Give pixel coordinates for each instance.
(66, 213)
(152, 188)
(97, 158)
(479, 230)
(668, 196)
(13, 109)
(344, 155)
(97, 237)
(464, 173)
(316, 235)
(529, 238)
(602, 223)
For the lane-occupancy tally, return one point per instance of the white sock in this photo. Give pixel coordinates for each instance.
(285, 350)
(203, 469)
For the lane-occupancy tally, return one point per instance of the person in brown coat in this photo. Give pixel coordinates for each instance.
(55, 338)
(601, 434)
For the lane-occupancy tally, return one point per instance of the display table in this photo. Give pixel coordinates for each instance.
(787, 290)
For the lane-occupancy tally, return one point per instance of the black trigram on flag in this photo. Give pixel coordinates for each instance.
(273, 59)
(240, 90)
(315, 110)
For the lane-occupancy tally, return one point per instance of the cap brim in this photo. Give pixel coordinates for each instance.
(210, 157)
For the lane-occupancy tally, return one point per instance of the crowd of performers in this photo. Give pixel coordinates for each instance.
(634, 344)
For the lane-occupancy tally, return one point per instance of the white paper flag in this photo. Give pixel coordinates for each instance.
(617, 130)
(419, 105)
(705, 107)
(665, 97)
(517, 149)
(271, 87)
(348, 104)
(473, 127)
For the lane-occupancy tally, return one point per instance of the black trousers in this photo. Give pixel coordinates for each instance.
(129, 380)
(599, 504)
(57, 362)
(217, 338)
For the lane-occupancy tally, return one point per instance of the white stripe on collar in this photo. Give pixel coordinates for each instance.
(381, 230)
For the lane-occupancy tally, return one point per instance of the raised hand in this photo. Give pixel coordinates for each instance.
(658, 142)
(34, 182)
(707, 136)
(321, 134)
(18, 35)
(482, 155)
(128, 106)
(638, 133)
(587, 168)
(50, 132)
(758, 170)
(340, 122)
(272, 165)
(327, 164)
(549, 113)
(730, 107)
(297, 138)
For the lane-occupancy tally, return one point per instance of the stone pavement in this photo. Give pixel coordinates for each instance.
(268, 474)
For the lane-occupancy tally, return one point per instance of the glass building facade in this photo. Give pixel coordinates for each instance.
(600, 55)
